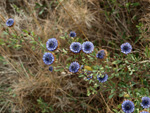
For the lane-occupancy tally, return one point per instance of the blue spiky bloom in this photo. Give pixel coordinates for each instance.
(48, 58)
(10, 22)
(127, 106)
(52, 44)
(145, 102)
(50, 68)
(126, 48)
(87, 47)
(144, 112)
(72, 34)
(74, 67)
(102, 79)
(100, 54)
(75, 47)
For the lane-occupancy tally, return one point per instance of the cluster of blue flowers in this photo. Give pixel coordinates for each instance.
(128, 106)
(87, 47)
(48, 58)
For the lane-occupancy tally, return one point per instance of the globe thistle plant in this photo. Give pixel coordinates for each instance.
(48, 58)
(52, 44)
(72, 34)
(75, 47)
(145, 102)
(50, 68)
(102, 79)
(87, 47)
(10, 22)
(74, 67)
(127, 106)
(102, 54)
(126, 48)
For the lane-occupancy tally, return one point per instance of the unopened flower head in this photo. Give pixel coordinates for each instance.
(72, 34)
(145, 102)
(102, 79)
(127, 106)
(10, 22)
(52, 44)
(50, 68)
(48, 58)
(87, 47)
(126, 48)
(74, 67)
(75, 47)
(101, 54)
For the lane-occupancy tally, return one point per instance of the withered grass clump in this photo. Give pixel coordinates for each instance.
(24, 79)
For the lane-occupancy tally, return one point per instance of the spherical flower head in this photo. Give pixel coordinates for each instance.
(52, 44)
(74, 67)
(127, 106)
(72, 34)
(75, 47)
(10, 22)
(102, 79)
(48, 58)
(126, 48)
(144, 112)
(145, 102)
(100, 54)
(50, 68)
(87, 47)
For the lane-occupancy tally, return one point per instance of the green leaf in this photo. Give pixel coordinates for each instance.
(64, 51)
(62, 37)
(110, 96)
(2, 42)
(43, 45)
(145, 82)
(41, 11)
(136, 4)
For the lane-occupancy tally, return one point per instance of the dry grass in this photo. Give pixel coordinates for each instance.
(25, 74)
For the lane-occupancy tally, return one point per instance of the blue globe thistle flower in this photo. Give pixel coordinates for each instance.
(101, 54)
(145, 102)
(74, 67)
(50, 68)
(144, 112)
(126, 48)
(52, 44)
(48, 58)
(72, 34)
(87, 47)
(127, 106)
(102, 79)
(75, 47)
(10, 22)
